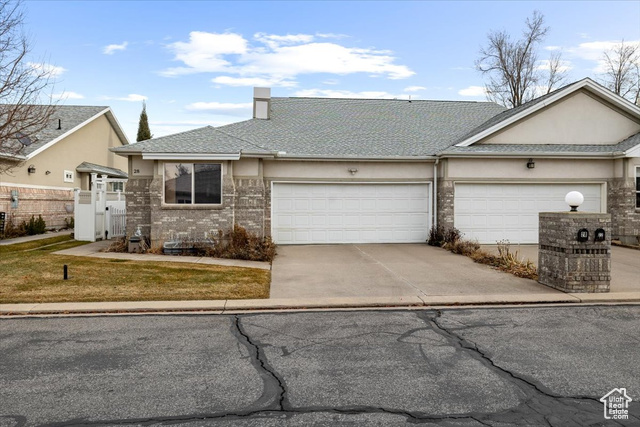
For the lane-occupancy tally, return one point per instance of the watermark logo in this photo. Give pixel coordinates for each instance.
(616, 404)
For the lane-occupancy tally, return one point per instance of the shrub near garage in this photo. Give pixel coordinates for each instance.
(507, 261)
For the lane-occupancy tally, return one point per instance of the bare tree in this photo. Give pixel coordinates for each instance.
(622, 70)
(512, 68)
(22, 112)
(556, 74)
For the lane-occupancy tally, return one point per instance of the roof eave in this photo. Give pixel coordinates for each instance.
(286, 156)
(190, 156)
(546, 154)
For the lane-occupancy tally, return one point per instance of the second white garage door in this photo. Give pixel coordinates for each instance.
(493, 212)
(349, 213)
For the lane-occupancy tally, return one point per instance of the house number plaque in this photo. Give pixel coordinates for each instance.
(599, 237)
(583, 235)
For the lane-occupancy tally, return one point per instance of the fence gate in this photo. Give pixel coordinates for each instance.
(99, 214)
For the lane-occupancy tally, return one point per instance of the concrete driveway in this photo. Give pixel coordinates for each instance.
(625, 265)
(387, 270)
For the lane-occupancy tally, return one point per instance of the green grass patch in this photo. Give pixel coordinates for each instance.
(32, 273)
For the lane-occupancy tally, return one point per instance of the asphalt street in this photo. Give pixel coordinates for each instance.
(454, 367)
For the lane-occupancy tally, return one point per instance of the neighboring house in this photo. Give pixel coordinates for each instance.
(307, 170)
(58, 159)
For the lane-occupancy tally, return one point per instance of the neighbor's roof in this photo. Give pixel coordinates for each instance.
(70, 118)
(330, 128)
(101, 170)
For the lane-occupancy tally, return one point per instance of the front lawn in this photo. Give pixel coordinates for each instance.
(31, 273)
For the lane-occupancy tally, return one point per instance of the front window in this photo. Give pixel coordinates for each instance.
(638, 187)
(192, 183)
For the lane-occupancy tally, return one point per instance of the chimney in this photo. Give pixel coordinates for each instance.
(261, 103)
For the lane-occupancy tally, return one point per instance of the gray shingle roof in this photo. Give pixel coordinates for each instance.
(202, 140)
(70, 116)
(101, 170)
(326, 127)
(525, 149)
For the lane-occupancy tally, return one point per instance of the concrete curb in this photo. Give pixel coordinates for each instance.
(222, 306)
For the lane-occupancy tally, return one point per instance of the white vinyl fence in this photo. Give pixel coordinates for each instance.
(100, 214)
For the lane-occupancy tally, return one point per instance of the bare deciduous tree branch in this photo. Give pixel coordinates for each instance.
(22, 112)
(622, 70)
(512, 68)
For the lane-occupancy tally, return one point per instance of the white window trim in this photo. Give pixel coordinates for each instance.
(193, 175)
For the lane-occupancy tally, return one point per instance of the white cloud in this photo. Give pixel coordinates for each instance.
(273, 40)
(253, 81)
(472, 91)
(112, 48)
(279, 58)
(50, 70)
(67, 95)
(594, 51)
(414, 88)
(225, 108)
(552, 48)
(563, 67)
(329, 93)
(132, 97)
(204, 53)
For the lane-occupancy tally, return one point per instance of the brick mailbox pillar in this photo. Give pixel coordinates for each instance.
(574, 252)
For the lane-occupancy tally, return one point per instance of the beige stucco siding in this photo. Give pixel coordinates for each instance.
(516, 169)
(577, 119)
(139, 168)
(91, 144)
(291, 170)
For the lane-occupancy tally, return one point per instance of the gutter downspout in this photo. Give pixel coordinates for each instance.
(435, 192)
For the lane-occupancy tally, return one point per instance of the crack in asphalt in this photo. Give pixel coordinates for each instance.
(273, 384)
(541, 402)
(540, 407)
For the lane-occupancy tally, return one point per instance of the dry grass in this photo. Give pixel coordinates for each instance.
(29, 272)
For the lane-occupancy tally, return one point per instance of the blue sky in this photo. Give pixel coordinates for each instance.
(196, 63)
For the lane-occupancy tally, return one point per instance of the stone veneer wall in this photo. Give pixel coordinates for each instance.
(189, 222)
(445, 203)
(138, 206)
(245, 202)
(621, 203)
(569, 265)
(51, 204)
(250, 204)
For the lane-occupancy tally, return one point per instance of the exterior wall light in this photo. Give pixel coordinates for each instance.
(531, 164)
(574, 199)
(31, 169)
(353, 171)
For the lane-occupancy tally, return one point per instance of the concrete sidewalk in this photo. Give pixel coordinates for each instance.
(24, 239)
(534, 293)
(96, 250)
(223, 306)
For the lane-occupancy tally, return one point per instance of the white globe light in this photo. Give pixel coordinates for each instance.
(574, 199)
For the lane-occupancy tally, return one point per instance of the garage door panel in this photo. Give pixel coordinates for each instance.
(492, 212)
(350, 213)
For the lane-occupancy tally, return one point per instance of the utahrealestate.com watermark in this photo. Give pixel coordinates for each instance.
(616, 404)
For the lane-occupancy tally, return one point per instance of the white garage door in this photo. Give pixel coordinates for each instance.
(350, 213)
(492, 212)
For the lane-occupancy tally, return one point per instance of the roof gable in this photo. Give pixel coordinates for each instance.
(66, 120)
(577, 119)
(588, 88)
